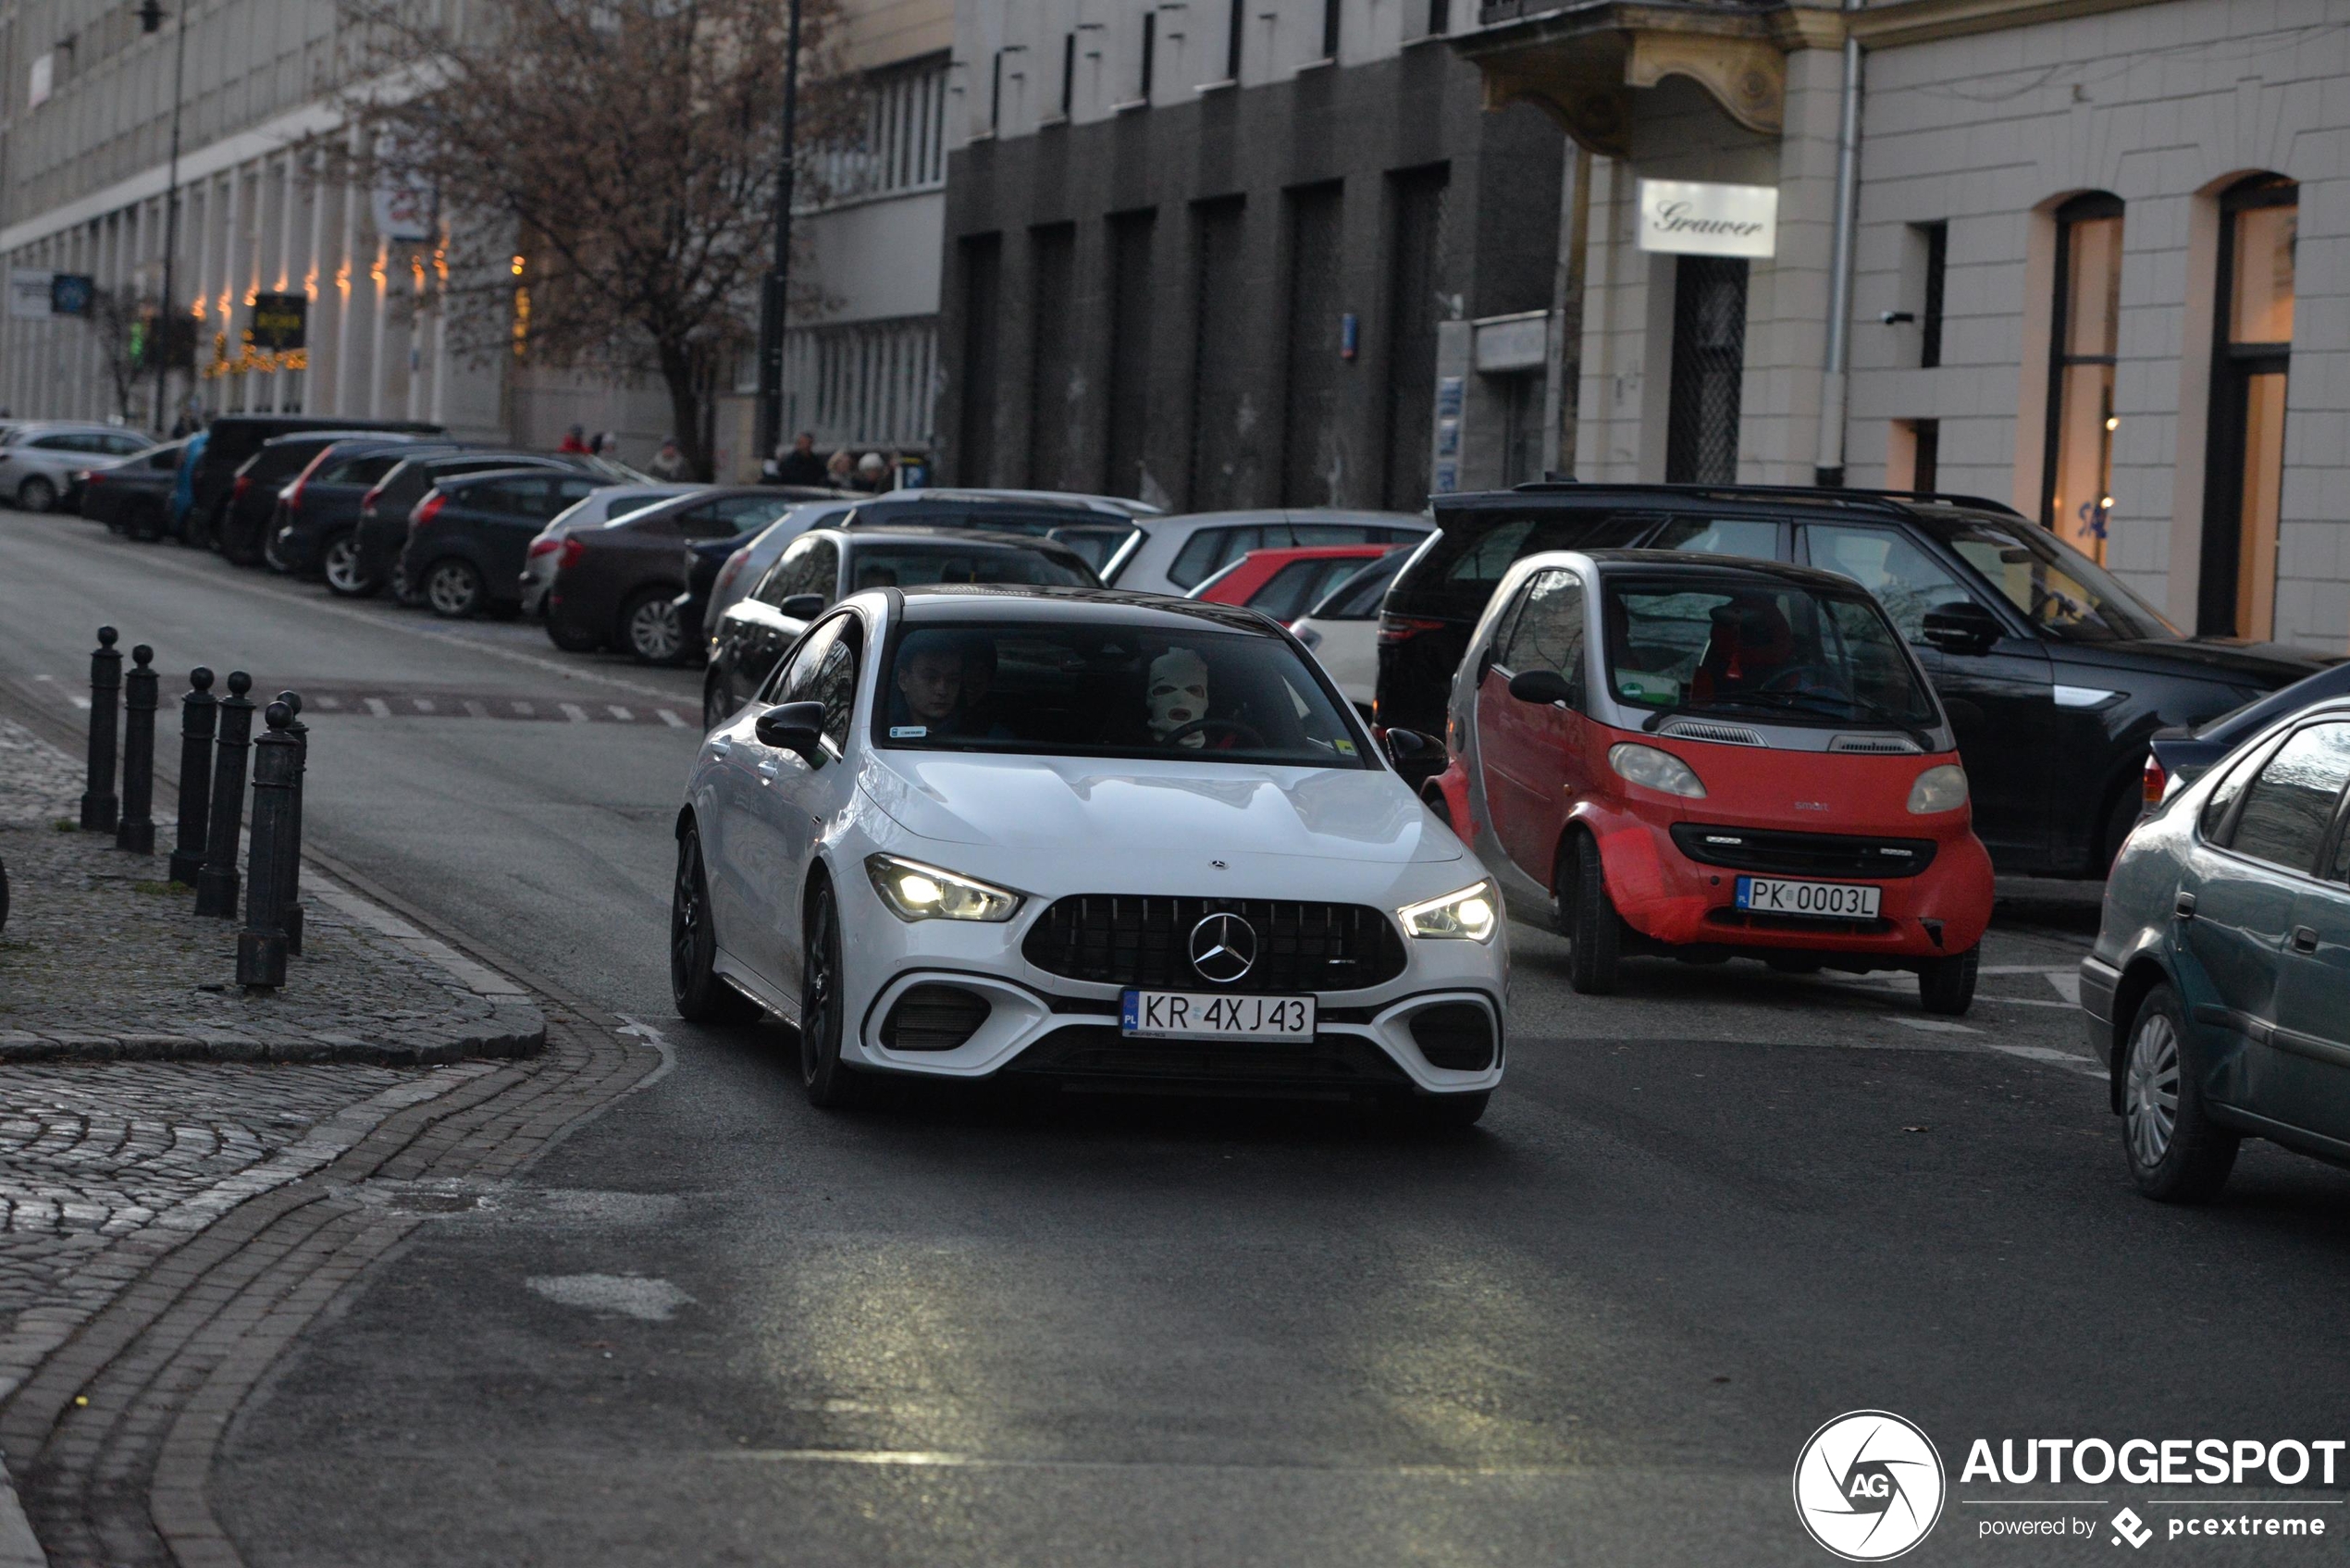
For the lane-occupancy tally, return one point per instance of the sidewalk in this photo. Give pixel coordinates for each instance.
(144, 1097)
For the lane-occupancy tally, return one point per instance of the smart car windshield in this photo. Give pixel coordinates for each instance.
(1792, 654)
(1109, 689)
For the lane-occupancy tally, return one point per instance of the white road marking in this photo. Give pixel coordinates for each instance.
(423, 704)
(1935, 1026)
(380, 708)
(573, 711)
(78, 701)
(479, 710)
(617, 712)
(2067, 984)
(654, 1300)
(525, 708)
(328, 703)
(2071, 1061)
(671, 719)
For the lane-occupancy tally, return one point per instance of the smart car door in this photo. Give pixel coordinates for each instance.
(1531, 750)
(1998, 689)
(2252, 868)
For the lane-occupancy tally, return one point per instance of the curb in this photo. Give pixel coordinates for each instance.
(18, 1548)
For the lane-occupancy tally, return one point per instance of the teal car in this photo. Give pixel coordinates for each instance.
(2217, 996)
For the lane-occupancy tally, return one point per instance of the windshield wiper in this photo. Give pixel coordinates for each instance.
(1809, 702)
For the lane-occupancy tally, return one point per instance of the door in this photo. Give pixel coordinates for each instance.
(2306, 1080)
(509, 514)
(1530, 753)
(2001, 701)
(797, 798)
(810, 566)
(758, 843)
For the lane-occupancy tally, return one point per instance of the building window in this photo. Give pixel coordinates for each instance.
(2245, 470)
(1130, 302)
(1937, 251)
(1708, 362)
(996, 96)
(1150, 53)
(2076, 493)
(1069, 73)
(900, 144)
(975, 463)
(1330, 27)
(1232, 41)
(864, 385)
(1925, 458)
(1417, 203)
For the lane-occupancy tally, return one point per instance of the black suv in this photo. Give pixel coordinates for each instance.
(2054, 674)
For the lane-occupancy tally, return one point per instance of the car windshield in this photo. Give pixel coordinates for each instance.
(1793, 654)
(2063, 592)
(1112, 690)
(919, 567)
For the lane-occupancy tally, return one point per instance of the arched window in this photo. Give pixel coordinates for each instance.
(2244, 464)
(2076, 493)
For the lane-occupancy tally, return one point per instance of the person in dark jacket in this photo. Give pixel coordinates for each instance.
(799, 465)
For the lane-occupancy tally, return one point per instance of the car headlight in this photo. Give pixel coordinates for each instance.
(1941, 788)
(916, 892)
(1471, 915)
(1652, 769)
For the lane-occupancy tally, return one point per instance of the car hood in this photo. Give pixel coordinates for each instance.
(1119, 807)
(2262, 665)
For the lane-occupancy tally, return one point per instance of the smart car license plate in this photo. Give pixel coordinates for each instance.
(1827, 900)
(1202, 1015)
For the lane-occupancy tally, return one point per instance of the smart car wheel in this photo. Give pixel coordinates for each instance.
(1586, 916)
(36, 494)
(831, 1084)
(2176, 1153)
(452, 588)
(1947, 986)
(650, 629)
(700, 995)
(344, 577)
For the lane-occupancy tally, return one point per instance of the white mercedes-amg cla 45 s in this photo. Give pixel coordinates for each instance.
(1089, 836)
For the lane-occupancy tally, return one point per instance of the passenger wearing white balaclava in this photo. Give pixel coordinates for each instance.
(1178, 696)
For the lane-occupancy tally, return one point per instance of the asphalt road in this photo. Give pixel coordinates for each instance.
(1701, 1219)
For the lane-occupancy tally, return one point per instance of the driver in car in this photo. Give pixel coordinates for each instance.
(930, 685)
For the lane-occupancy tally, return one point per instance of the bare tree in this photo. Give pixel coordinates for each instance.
(604, 171)
(122, 322)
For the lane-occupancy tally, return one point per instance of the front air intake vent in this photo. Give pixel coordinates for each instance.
(934, 1018)
(1876, 746)
(1456, 1036)
(1721, 734)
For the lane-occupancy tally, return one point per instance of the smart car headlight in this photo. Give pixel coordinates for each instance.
(916, 892)
(1652, 769)
(1939, 788)
(1471, 915)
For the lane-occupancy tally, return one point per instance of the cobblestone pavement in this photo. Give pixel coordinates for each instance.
(102, 958)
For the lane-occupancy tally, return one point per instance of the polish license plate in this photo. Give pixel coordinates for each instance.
(1205, 1015)
(1827, 900)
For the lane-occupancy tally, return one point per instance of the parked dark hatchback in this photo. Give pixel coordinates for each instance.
(247, 520)
(135, 498)
(618, 586)
(231, 439)
(314, 529)
(467, 537)
(382, 532)
(2053, 672)
(2215, 993)
(824, 566)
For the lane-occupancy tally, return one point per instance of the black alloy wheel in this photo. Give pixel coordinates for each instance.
(694, 982)
(339, 562)
(571, 638)
(1586, 916)
(832, 1084)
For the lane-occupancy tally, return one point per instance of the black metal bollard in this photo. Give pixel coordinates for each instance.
(136, 833)
(260, 946)
(216, 883)
(199, 713)
(290, 909)
(98, 803)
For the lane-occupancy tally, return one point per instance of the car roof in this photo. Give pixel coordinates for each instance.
(1546, 495)
(46, 427)
(1256, 515)
(1681, 564)
(1052, 605)
(866, 537)
(486, 475)
(1075, 501)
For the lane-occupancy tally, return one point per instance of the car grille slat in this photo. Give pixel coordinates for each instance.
(1772, 850)
(1143, 940)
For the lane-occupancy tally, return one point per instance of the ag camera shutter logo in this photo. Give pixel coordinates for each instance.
(1869, 1486)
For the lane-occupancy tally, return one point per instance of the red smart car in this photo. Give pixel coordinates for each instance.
(1705, 758)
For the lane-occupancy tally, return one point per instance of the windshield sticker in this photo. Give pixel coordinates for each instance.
(907, 732)
(1346, 748)
(1644, 688)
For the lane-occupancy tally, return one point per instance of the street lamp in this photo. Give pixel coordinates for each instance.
(771, 312)
(167, 325)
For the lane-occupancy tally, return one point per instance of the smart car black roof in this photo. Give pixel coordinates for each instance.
(1680, 564)
(1050, 605)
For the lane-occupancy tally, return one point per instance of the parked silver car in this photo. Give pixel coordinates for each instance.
(1177, 554)
(39, 459)
(608, 505)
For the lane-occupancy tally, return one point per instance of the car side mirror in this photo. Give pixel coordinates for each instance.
(1962, 626)
(794, 726)
(801, 607)
(1542, 687)
(1408, 746)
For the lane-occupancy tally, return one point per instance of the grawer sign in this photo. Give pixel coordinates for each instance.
(1691, 219)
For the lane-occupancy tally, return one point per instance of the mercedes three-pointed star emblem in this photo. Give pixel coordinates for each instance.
(1223, 948)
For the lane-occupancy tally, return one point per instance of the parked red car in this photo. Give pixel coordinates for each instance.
(1287, 583)
(1704, 758)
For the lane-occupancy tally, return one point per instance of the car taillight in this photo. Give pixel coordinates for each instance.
(725, 576)
(86, 477)
(237, 491)
(368, 502)
(2157, 779)
(1404, 628)
(543, 547)
(570, 551)
(292, 497)
(427, 509)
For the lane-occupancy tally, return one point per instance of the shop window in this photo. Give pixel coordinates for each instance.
(1936, 237)
(2245, 463)
(2076, 486)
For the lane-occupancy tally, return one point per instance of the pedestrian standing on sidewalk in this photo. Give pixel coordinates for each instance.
(184, 484)
(872, 474)
(840, 469)
(668, 463)
(608, 444)
(575, 443)
(799, 465)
